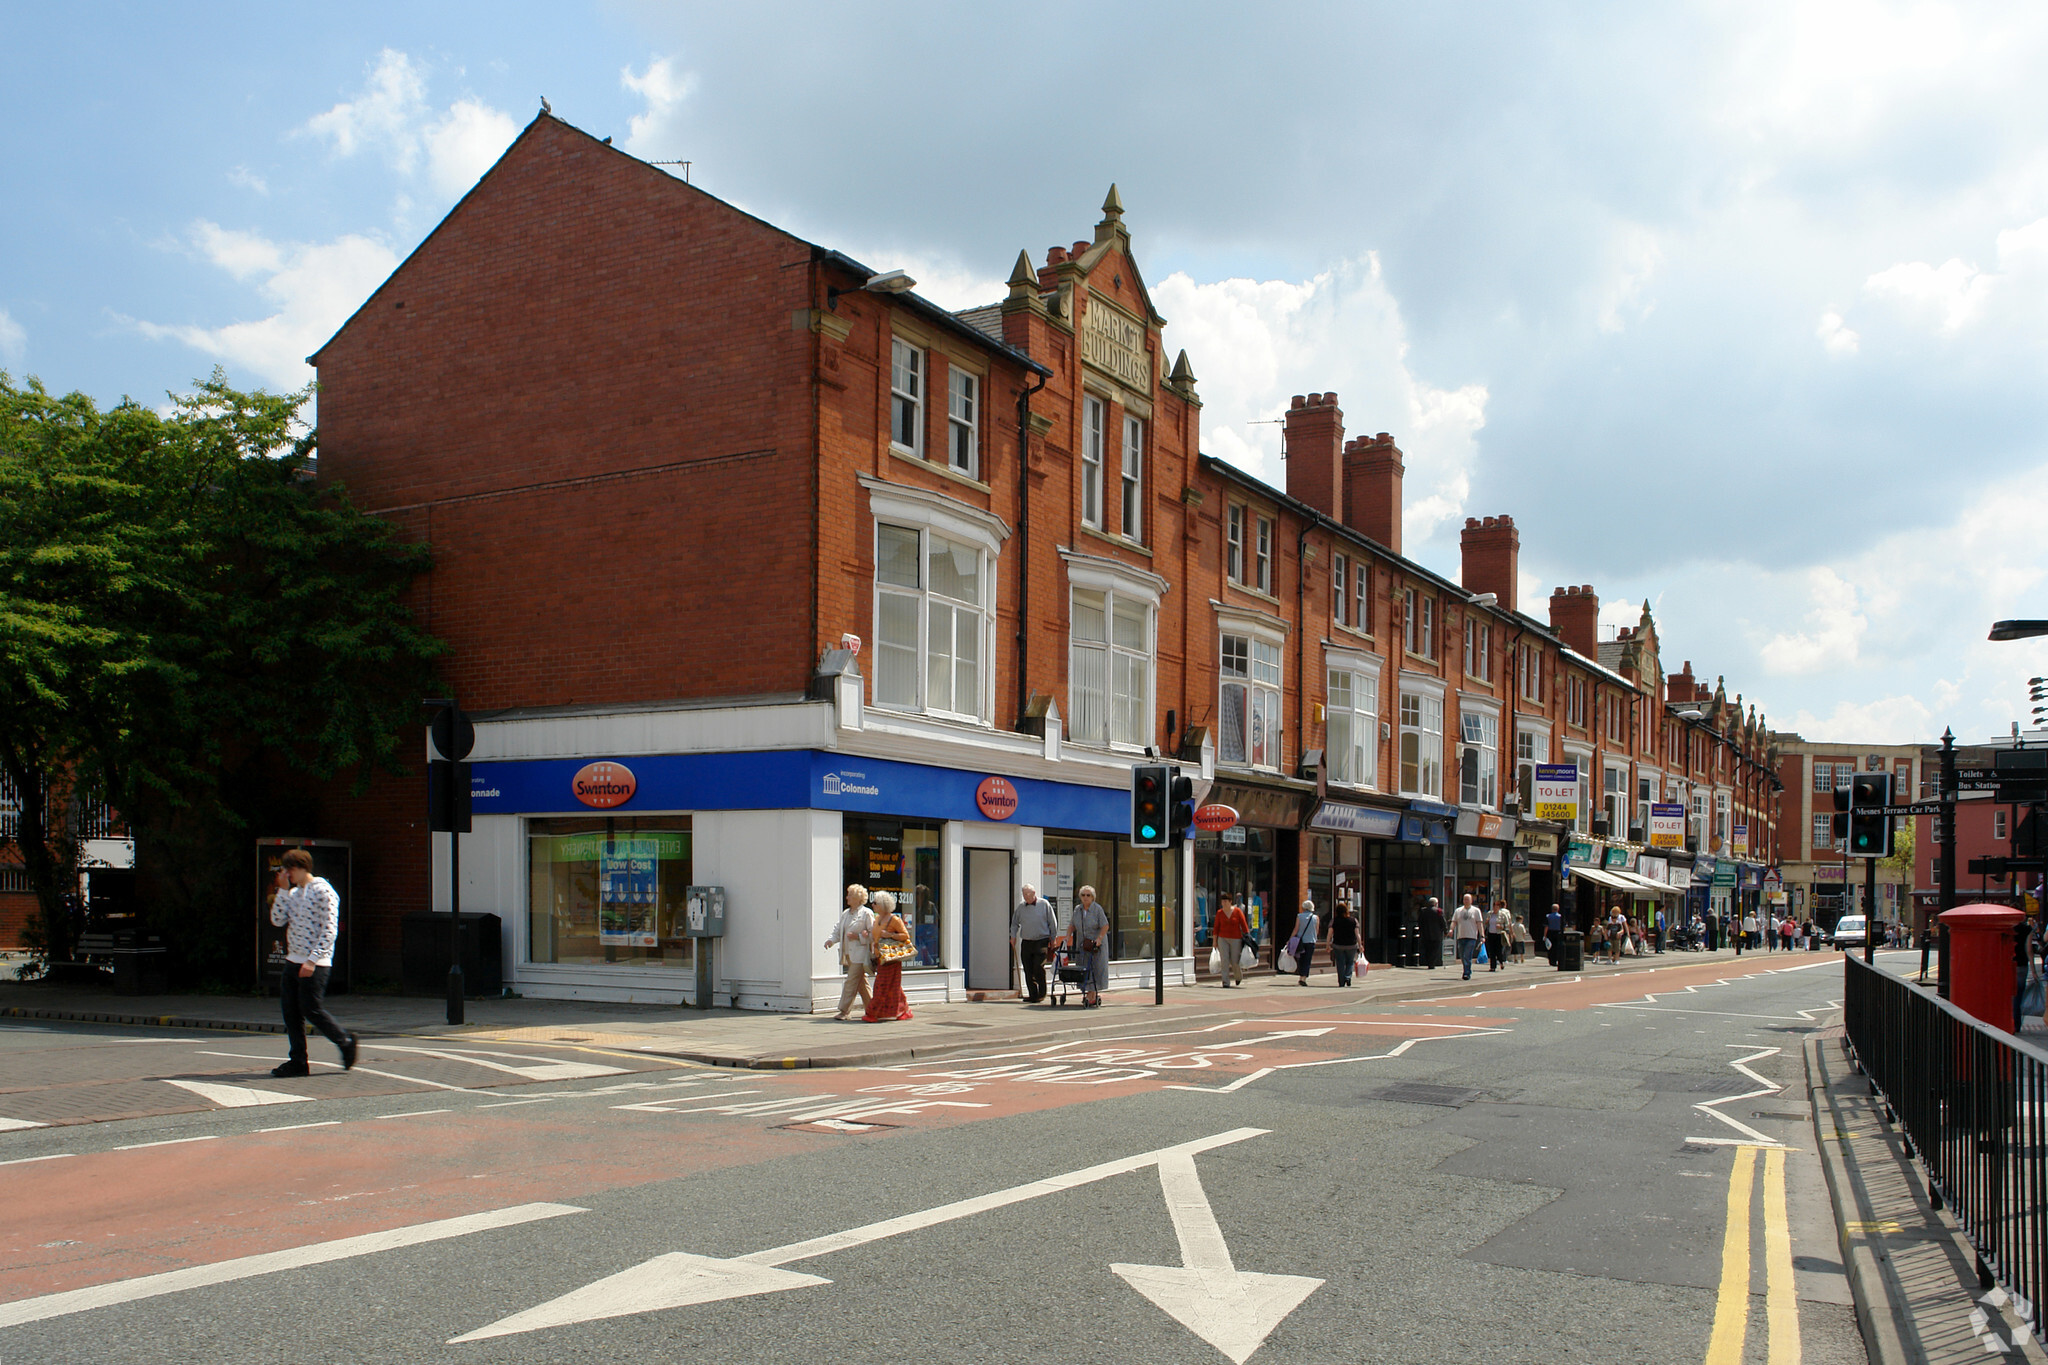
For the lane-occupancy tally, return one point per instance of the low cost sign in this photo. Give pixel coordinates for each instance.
(1556, 795)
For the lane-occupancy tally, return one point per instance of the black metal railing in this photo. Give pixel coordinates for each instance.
(1974, 1105)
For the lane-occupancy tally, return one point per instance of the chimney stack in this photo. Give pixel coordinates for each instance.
(1372, 488)
(1575, 617)
(1493, 558)
(1315, 445)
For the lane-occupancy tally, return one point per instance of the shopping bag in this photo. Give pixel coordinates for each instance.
(1215, 962)
(1246, 958)
(2035, 997)
(1482, 954)
(1286, 963)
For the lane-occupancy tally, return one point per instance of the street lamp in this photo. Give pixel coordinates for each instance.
(2017, 630)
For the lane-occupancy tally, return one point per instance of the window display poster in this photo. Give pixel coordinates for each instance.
(1056, 884)
(629, 884)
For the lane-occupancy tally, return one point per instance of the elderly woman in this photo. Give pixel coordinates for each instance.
(889, 1002)
(1088, 941)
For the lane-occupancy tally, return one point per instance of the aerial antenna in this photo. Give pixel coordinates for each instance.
(1272, 422)
(684, 164)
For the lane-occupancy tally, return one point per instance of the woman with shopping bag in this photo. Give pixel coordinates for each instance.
(1303, 945)
(1230, 932)
(1343, 943)
(892, 948)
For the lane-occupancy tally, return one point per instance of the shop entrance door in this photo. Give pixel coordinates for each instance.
(987, 922)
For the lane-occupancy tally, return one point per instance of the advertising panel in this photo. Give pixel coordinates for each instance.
(1556, 795)
(1667, 826)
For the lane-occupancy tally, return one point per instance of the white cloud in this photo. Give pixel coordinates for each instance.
(248, 180)
(1835, 629)
(664, 89)
(1635, 256)
(463, 144)
(1951, 294)
(1884, 720)
(313, 286)
(393, 116)
(13, 339)
(1254, 343)
(1835, 335)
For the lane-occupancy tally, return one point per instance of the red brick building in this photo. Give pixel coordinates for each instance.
(763, 572)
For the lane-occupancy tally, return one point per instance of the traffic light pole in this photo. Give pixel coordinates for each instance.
(1158, 926)
(1870, 909)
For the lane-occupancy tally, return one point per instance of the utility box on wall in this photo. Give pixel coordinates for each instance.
(333, 860)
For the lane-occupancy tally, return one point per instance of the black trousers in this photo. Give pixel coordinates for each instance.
(1032, 951)
(303, 1004)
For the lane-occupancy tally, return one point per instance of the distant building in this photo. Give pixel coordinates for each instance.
(1821, 882)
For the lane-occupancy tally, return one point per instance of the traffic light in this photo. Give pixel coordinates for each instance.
(1840, 823)
(1180, 809)
(1150, 784)
(1870, 828)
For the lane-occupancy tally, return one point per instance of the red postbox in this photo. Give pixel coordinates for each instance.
(1981, 971)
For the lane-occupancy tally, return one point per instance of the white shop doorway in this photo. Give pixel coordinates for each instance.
(990, 883)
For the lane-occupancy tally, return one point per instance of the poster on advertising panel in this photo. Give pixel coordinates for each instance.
(1667, 826)
(629, 881)
(1556, 795)
(1740, 842)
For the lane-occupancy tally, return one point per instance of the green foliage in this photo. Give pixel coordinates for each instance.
(185, 621)
(1901, 859)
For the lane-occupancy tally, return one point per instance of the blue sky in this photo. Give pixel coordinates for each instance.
(1738, 308)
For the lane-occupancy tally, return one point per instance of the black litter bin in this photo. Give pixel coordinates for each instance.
(423, 954)
(1572, 956)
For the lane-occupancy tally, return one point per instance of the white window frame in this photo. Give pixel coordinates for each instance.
(1581, 757)
(1721, 804)
(1360, 717)
(1233, 543)
(930, 514)
(1479, 735)
(1478, 648)
(1361, 595)
(1094, 432)
(963, 421)
(1421, 717)
(1998, 824)
(1132, 508)
(1428, 650)
(1262, 553)
(1615, 796)
(1530, 667)
(1117, 583)
(1340, 589)
(1410, 620)
(1649, 786)
(1250, 671)
(1525, 764)
(1823, 833)
(908, 367)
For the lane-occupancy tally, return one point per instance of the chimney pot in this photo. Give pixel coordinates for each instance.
(1575, 616)
(1492, 553)
(1298, 401)
(1078, 249)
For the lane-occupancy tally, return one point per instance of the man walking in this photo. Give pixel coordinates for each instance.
(1433, 934)
(310, 912)
(1553, 932)
(1468, 923)
(854, 932)
(1660, 929)
(1230, 931)
(1033, 927)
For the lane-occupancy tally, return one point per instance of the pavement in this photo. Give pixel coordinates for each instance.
(757, 1040)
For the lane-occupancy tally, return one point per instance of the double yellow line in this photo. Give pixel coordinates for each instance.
(1781, 1305)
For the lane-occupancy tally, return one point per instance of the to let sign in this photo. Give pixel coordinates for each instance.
(1667, 826)
(1556, 794)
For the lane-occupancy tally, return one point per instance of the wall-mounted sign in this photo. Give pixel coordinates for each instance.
(1215, 817)
(1341, 817)
(1741, 841)
(603, 784)
(1667, 826)
(1615, 857)
(1113, 341)
(996, 798)
(1556, 791)
(1540, 842)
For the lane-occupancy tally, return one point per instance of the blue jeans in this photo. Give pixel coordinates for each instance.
(1468, 952)
(1345, 958)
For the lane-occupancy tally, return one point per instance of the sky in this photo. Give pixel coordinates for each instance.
(1740, 309)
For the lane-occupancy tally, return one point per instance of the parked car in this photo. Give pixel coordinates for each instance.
(1849, 932)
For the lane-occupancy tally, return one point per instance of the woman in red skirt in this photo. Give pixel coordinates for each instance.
(889, 1002)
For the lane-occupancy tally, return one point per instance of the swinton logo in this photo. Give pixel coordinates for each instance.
(604, 784)
(996, 798)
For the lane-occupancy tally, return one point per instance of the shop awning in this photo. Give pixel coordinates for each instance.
(1625, 881)
(1601, 877)
(1649, 884)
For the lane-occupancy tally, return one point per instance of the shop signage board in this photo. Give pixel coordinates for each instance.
(1580, 850)
(1556, 791)
(1741, 841)
(1341, 817)
(1615, 857)
(1540, 842)
(1833, 873)
(1724, 874)
(1216, 817)
(996, 798)
(1667, 826)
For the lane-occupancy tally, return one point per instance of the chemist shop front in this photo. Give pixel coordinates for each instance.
(588, 862)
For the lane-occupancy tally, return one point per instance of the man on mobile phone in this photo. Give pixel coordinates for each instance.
(310, 912)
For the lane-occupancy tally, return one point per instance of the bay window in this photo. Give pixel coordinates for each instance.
(1250, 701)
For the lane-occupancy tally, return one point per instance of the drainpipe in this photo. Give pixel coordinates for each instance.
(1301, 646)
(1024, 545)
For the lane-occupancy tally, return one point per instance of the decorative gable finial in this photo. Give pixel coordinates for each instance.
(1113, 204)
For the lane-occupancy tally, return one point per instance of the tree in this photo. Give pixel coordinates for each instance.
(179, 605)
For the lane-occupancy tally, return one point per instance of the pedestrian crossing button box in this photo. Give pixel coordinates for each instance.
(704, 911)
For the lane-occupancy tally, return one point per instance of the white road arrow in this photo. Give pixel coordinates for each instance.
(679, 1279)
(237, 1096)
(1233, 1310)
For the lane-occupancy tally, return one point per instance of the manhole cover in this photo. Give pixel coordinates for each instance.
(1415, 1092)
(839, 1126)
(1698, 1083)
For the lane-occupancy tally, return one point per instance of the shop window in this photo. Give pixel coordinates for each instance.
(1422, 744)
(1133, 505)
(1250, 701)
(1110, 663)
(931, 622)
(906, 397)
(609, 891)
(901, 857)
(1478, 759)
(1350, 716)
(1134, 909)
(1094, 417)
(1233, 543)
(1122, 878)
(963, 421)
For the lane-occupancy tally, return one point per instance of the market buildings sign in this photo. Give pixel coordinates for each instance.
(1114, 342)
